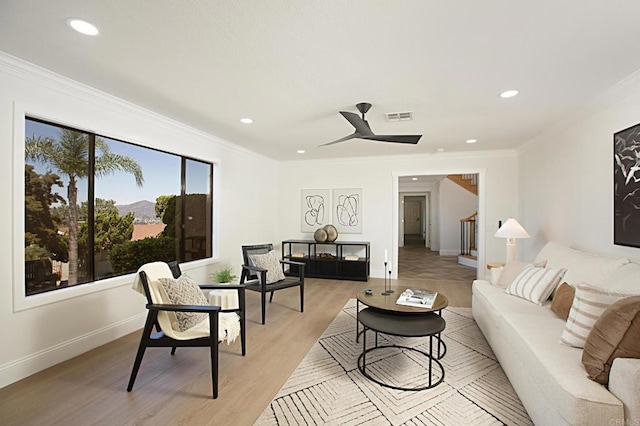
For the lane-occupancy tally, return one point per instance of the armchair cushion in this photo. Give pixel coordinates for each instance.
(184, 291)
(270, 262)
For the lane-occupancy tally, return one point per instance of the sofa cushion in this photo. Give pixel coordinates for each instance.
(512, 269)
(616, 334)
(581, 266)
(588, 304)
(562, 301)
(535, 284)
(625, 279)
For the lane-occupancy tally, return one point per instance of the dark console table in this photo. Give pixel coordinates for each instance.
(327, 260)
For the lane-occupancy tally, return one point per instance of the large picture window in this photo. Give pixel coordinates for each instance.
(97, 207)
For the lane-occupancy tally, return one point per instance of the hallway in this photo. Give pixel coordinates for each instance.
(418, 262)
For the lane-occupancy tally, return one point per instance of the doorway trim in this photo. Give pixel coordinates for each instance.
(481, 212)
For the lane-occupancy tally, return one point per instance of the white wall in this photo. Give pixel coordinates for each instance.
(455, 203)
(566, 176)
(53, 327)
(379, 179)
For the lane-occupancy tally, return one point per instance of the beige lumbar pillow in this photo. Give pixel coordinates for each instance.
(512, 269)
(588, 304)
(616, 334)
(535, 284)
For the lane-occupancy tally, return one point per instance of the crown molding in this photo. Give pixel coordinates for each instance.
(35, 74)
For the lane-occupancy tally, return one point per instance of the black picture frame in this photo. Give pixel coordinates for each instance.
(626, 187)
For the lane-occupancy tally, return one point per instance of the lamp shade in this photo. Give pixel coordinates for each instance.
(511, 229)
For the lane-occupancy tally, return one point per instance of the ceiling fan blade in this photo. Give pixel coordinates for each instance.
(412, 139)
(356, 121)
(346, 138)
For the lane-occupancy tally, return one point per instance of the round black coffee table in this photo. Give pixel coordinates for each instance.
(383, 315)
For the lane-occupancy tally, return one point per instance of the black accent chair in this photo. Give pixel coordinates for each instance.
(157, 315)
(255, 278)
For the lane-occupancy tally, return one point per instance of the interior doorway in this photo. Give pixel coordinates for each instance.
(415, 221)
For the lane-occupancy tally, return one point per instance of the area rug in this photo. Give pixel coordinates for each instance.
(328, 388)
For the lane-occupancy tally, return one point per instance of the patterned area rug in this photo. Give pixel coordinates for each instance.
(328, 388)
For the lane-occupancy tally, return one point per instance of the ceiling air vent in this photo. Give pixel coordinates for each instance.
(399, 116)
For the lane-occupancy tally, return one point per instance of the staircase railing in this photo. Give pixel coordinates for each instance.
(468, 234)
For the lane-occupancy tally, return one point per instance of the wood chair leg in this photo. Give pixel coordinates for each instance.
(302, 298)
(173, 350)
(213, 336)
(271, 297)
(264, 306)
(148, 326)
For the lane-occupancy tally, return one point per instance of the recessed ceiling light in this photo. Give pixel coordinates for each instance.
(246, 120)
(83, 27)
(508, 94)
(440, 149)
(300, 151)
(414, 178)
(472, 140)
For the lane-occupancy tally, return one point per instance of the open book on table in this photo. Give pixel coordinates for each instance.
(417, 298)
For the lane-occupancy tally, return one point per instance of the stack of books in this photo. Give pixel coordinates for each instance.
(417, 298)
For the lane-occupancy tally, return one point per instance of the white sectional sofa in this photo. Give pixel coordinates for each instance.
(549, 377)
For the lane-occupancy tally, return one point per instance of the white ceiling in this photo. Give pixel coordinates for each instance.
(292, 65)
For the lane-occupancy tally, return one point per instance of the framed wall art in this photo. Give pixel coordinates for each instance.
(315, 209)
(347, 210)
(626, 187)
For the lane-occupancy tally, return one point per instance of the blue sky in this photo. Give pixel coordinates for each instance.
(161, 172)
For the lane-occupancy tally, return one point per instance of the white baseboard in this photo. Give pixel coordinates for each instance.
(449, 252)
(467, 261)
(38, 361)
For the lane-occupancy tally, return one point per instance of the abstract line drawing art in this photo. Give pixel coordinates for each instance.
(626, 187)
(315, 203)
(347, 210)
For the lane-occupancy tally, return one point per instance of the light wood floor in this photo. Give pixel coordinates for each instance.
(91, 388)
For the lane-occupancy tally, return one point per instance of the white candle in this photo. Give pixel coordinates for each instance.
(385, 255)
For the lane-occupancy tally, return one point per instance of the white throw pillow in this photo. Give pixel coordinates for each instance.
(588, 304)
(512, 269)
(270, 262)
(536, 284)
(184, 291)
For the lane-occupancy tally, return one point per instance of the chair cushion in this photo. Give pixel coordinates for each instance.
(588, 304)
(614, 335)
(184, 291)
(270, 262)
(563, 300)
(535, 284)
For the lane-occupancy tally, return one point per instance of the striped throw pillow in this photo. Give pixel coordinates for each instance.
(588, 304)
(535, 284)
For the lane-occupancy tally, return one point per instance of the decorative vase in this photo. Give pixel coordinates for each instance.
(320, 235)
(332, 233)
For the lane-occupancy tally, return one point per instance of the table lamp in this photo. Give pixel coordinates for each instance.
(511, 230)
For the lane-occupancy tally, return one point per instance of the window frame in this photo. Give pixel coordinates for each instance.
(20, 300)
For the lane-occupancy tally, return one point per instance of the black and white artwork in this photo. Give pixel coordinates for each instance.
(315, 209)
(347, 210)
(626, 187)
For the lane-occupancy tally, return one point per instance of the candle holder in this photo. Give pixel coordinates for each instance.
(385, 280)
(386, 292)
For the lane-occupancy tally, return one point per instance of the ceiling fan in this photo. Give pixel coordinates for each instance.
(363, 131)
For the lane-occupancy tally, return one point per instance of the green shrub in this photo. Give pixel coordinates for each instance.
(223, 276)
(130, 255)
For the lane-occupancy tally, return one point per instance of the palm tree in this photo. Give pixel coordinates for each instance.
(69, 156)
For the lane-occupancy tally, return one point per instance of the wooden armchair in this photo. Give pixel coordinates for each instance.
(162, 315)
(256, 278)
